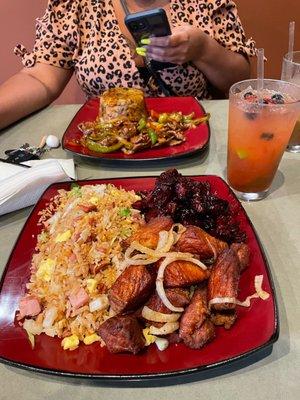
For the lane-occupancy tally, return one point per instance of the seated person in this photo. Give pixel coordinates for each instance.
(207, 46)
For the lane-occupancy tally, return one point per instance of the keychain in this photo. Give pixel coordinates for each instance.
(27, 152)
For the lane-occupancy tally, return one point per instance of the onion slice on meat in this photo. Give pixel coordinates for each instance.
(160, 277)
(156, 316)
(221, 300)
(168, 327)
(259, 293)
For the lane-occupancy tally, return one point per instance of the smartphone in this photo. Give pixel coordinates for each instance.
(144, 24)
(148, 23)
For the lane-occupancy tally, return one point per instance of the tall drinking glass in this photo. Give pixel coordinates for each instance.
(258, 132)
(291, 73)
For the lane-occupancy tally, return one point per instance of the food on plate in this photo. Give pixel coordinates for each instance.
(105, 272)
(122, 104)
(125, 124)
(77, 259)
(196, 328)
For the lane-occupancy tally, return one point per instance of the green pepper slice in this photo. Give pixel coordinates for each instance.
(98, 148)
(152, 135)
(141, 124)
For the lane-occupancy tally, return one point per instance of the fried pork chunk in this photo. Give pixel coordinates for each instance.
(122, 333)
(224, 280)
(177, 296)
(224, 318)
(131, 289)
(195, 328)
(243, 253)
(184, 273)
(148, 234)
(198, 242)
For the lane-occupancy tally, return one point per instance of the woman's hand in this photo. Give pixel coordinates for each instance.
(221, 66)
(185, 44)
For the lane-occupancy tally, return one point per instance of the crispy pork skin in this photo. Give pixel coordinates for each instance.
(148, 234)
(122, 333)
(243, 253)
(131, 289)
(224, 318)
(196, 329)
(224, 279)
(198, 242)
(184, 273)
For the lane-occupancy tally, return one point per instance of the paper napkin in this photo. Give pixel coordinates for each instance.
(21, 187)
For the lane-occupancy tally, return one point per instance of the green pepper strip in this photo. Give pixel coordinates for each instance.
(142, 124)
(201, 119)
(152, 135)
(98, 148)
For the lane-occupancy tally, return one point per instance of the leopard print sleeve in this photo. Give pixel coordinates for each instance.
(227, 27)
(57, 36)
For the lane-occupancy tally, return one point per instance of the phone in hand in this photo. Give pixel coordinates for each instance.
(144, 24)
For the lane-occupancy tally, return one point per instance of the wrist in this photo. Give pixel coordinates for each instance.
(201, 47)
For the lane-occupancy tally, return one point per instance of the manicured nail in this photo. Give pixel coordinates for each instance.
(145, 41)
(141, 51)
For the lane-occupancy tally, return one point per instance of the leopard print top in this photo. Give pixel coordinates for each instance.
(84, 35)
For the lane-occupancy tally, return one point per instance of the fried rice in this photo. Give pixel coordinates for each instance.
(79, 256)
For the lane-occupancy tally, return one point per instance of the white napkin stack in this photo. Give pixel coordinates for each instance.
(21, 187)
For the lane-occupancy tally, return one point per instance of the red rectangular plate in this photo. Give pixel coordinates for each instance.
(255, 330)
(197, 139)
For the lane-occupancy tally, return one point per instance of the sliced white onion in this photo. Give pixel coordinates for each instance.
(246, 302)
(168, 327)
(141, 261)
(32, 327)
(259, 293)
(156, 316)
(50, 331)
(180, 231)
(221, 300)
(100, 303)
(162, 240)
(161, 343)
(258, 287)
(143, 249)
(50, 315)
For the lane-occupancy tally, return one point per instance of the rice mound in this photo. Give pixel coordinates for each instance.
(79, 247)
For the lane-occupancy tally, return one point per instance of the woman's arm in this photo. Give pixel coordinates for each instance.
(222, 67)
(30, 90)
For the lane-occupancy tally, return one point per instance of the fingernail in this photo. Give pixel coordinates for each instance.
(141, 51)
(146, 41)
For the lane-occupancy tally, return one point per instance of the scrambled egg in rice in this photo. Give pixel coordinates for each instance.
(78, 258)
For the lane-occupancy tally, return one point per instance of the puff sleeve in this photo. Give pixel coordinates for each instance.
(57, 36)
(227, 27)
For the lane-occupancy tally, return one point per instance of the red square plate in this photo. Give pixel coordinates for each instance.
(197, 138)
(250, 338)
